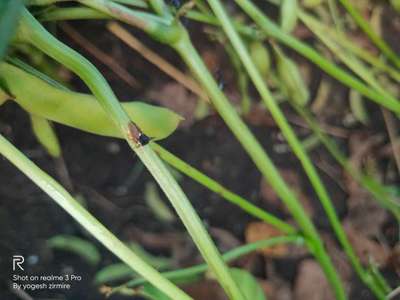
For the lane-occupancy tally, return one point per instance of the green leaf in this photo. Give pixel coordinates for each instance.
(151, 292)
(261, 58)
(248, 284)
(291, 78)
(46, 135)
(120, 271)
(289, 9)
(114, 272)
(395, 4)
(10, 11)
(357, 107)
(79, 110)
(158, 262)
(81, 247)
(157, 205)
(3, 96)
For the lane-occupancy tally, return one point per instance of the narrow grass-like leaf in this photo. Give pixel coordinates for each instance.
(33, 32)
(84, 218)
(85, 249)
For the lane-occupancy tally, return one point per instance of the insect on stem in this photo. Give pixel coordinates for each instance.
(136, 135)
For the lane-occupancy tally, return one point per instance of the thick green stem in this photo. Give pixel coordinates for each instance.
(83, 217)
(31, 31)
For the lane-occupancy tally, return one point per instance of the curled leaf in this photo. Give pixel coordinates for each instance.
(83, 248)
(291, 78)
(79, 110)
(114, 272)
(46, 135)
(357, 106)
(289, 10)
(261, 58)
(157, 205)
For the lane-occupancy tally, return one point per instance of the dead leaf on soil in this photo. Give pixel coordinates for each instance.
(205, 290)
(394, 258)
(276, 289)
(311, 283)
(362, 208)
(365, 248)
(176, 97)
(257, 231)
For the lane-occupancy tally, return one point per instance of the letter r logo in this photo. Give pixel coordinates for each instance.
(18, 260)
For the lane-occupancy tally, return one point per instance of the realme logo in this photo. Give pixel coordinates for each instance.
(18, 260)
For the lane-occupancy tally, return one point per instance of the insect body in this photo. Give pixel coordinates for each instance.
(144, 139)
(136, 135)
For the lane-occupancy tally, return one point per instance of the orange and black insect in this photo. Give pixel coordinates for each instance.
(137, 135)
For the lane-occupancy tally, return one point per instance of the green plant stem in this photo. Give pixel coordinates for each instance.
(31, 31)
(293, 142)
(283, 125)
(256, 152)
(87, 13)
(275, 32)
(191, 272)
(366, 27)
(83, 217)
(72, 13)
(159, 28)
(221, 190)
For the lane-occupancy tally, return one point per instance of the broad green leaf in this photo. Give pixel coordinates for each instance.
(78, 246)
(46, 135)
(248, 284)
(9, 13)
(79, 110)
